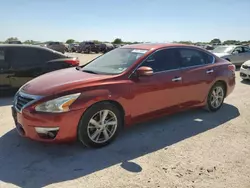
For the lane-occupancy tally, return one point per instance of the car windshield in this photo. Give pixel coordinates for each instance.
(115, 61)
(223, 49)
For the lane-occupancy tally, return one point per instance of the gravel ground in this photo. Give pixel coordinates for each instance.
(190, 149)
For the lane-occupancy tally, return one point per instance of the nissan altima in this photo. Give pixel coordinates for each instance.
(127, 85)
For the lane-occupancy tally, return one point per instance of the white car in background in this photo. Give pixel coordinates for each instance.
(236, 54)
(245, 70)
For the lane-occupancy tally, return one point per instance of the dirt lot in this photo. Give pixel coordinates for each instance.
(191, 149)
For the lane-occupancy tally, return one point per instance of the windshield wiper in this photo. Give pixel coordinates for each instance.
(78, 68)
(89, 71)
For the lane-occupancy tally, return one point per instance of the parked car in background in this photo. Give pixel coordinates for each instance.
(66, 47)
(237, 54)
(21, 63)
(209, 47)
(57, 46)
(106, 47)
(128, 85)
(73, 47)
(245, 70)
(117, 45)
(88, 47)
(14, 42)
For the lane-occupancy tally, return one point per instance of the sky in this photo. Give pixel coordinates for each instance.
(130, 20)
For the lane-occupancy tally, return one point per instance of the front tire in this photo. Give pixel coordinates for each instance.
(216, 97)
(100, 125)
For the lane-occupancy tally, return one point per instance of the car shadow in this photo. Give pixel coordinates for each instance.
(26, 163)
(6, 97)
(245, 82)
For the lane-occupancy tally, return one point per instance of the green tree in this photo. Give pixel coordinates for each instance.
(11, 39)
(117, 41)
(136, 42)
(185, 42)
(97, 41)
(29, 42)
(215, 41)
(70, 41)
(227, 42)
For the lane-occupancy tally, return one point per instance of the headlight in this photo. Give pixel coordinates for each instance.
(57, 105)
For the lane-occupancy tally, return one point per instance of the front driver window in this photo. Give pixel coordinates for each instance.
(239, 50)
(246, 49)
(162, 60)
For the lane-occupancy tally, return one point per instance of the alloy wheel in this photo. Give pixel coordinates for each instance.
(217, 97)
(102, 126)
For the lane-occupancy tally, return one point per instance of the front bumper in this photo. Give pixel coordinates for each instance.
(244, 73)
(47, 127)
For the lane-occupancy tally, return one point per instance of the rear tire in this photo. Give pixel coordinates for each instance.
(96, 131)
(215, 97)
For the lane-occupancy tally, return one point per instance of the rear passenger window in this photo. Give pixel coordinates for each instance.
(23, 57)
(192, 57)
(2, 56)
(3, 63)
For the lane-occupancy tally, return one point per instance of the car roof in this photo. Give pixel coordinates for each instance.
(26, 46)
(154, 46)
(21, 46)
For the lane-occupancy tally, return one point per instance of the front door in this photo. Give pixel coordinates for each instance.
(161, 91)
(246, 54)
(4, 70)
(198, 74)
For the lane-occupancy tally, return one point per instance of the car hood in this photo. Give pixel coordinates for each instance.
(60, 81)
(220, 54)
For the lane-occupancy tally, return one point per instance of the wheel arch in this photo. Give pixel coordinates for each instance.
(113, 102)
(223, 83)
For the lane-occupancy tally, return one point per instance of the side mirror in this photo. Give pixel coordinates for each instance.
(144, 71)
(235, 52)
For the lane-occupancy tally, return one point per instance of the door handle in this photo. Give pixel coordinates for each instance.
(210, 71)
(176, 79)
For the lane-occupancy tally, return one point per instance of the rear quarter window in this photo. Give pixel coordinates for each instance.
(47, 55)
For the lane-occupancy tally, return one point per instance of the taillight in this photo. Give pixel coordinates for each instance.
(232, 67)
(73, 62)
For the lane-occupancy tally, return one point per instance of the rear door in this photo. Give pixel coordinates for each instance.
(4, 69)
(237, 56)
(198, 74)
(26, 64)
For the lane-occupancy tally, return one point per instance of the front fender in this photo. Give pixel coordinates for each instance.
(89, 98)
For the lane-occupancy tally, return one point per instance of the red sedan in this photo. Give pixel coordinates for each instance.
(122, 87)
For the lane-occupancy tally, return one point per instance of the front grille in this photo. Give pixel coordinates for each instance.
(21, 101)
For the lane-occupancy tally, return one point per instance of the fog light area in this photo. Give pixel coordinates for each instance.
(47, 133)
